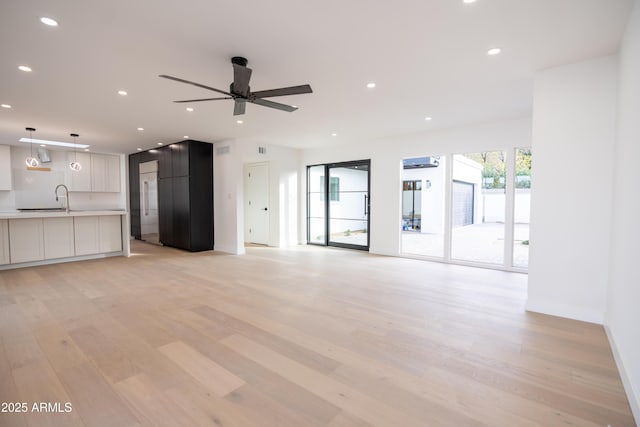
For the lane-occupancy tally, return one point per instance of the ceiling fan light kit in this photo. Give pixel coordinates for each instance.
(240, 91)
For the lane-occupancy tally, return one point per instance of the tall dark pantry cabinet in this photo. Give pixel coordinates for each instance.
(185, 194)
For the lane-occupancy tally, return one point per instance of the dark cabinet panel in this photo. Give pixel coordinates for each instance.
(134, 195)
(164, 162)
(165, 211)
(180, 158)
(181, 212)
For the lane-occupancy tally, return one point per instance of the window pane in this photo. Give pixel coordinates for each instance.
(522, 203)
(478, 207)
(423, 189)
(316, 214)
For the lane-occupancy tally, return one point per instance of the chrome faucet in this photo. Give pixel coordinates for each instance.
(66, 195)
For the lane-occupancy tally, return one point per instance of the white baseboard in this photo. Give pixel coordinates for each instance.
(633, 395)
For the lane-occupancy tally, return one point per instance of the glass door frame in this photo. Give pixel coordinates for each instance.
(327, 207)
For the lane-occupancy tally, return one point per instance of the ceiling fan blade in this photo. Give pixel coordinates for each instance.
(271, 104)
(293, 90)
(241, 77)
(164, 76)
(239, 108)
(205, 99)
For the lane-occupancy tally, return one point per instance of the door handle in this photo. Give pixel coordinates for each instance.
(365, 205)
(265, 209)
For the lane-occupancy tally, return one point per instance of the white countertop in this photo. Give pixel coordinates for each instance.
(54, 214)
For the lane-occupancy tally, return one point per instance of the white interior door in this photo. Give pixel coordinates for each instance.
(257, 204)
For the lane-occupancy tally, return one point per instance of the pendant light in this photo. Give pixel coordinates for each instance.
(75, 165)
(31, 161)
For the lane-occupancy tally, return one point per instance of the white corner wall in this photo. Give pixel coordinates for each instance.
(227, 198)
(574, 116)
(623, 313)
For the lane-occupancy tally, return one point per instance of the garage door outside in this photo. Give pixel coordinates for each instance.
(462, 204)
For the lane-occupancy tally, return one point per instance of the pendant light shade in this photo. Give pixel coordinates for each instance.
(75, 165)
(31, 161)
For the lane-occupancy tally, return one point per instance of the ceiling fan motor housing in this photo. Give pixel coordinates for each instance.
(239, 60)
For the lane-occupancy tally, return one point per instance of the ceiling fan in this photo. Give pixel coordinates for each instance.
(241, 93)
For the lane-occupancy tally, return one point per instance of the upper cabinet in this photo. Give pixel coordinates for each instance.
(99, 173)
(105, 173)
(5, 168)
(80, 180)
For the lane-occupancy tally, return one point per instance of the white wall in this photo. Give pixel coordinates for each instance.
(228, 216)
(386, 168)
(623, 313)
(229, 193)
(573, 135)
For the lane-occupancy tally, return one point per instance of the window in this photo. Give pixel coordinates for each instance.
(334, 188)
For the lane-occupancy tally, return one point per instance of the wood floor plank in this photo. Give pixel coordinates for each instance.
(8, 393)
(57, 345)
(204, 370)
(374, 412)
(150, 405)
(111, 361)
(38, 384)
(94, 399)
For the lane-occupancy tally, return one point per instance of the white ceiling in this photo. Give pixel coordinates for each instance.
(427, 57)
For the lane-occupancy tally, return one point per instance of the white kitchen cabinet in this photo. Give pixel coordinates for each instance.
(4, 242)
(26, 240)
(110, 233)
(58, 237)
(80, 180)
(100, 173)
(87, 234)
(105, 173)
(5, 168)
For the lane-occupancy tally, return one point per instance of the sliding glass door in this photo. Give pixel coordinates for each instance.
(338, 204)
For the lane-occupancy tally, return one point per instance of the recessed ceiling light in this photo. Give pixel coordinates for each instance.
(468, 1)
(122, 92)
(494, 51)
(86, 149)
(186, 137)
(334, 134)
(239, 122)
(428, 118)
(48, 142)
(43, 145)
(159, 143)
(139, 149)
(24, 68)
(5, 105)
(48, 21)
(371, 85)
(189, 109)
(140, 128)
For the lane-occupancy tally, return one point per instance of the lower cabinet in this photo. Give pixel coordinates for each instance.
(37, 239)
(58, 238)
(26, 240)
(4, 242)
(110, 228)
(98, 234)
(87, 231)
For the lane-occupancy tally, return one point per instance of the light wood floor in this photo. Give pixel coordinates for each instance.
(297, 337)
